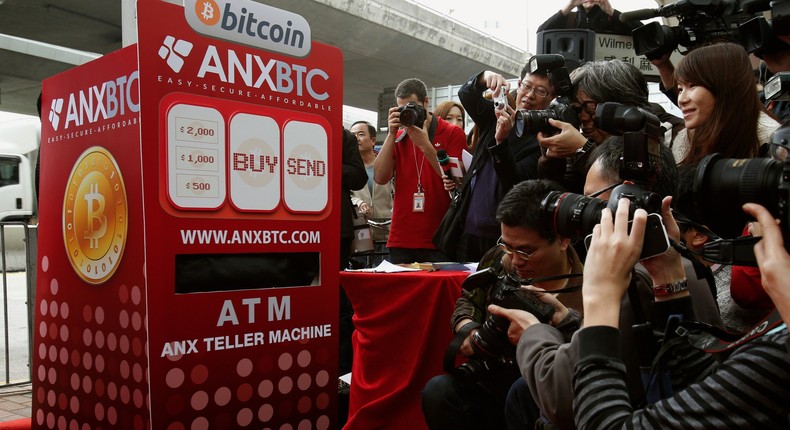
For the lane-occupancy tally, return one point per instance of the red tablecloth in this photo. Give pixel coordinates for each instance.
(402, 325)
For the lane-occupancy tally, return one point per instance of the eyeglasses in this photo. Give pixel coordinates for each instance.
(523, 254)
(539, 92)
(588, 107)
(603, 190)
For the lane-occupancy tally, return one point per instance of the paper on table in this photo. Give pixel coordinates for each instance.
(387, 267)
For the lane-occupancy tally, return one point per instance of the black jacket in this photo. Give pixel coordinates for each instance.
(354, 178)
(515, 159)
(596, 20)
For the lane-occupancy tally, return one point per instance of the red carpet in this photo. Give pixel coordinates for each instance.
(20, 424)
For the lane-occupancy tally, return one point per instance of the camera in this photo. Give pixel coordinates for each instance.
(574, 215)
(700, 22)
(500, 101)
(534, 121)
(778, 87)
(723, 185)
(412, 114)
(490, 340)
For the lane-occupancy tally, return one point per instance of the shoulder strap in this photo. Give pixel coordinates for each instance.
(455, 345)
(432, 128)
(709, 342)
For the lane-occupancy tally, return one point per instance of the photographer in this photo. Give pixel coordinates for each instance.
(565, 153)
(596, 15)
(750, 389)
(409, 154)
(500, 160)
(546, 358)
(475, 400)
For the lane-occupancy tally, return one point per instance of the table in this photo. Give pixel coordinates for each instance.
(403, 328)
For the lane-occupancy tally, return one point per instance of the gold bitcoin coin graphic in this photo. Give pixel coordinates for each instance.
(95, 216)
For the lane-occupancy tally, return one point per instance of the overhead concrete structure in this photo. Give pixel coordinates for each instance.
(383, 42)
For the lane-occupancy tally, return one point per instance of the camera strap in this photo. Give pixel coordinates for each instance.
(714, 341)
(455, 345)
(571, 289)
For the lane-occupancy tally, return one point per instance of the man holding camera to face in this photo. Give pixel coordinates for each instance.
(545, 356)
(472, 395)
(501, 159)
(565, 152)
(409, 154)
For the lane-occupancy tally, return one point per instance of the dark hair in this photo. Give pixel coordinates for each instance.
(724, 69)
(663, 167)
(371, 129)
(410, 86)
(611, 81)
(521, 206)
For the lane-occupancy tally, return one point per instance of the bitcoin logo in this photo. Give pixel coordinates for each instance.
(95, 216)
(207, 11)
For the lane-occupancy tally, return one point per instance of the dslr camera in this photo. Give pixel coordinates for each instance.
(574, 215)
(490, 340)
(723, 185)
(700, 22)
(534, 121)
(412, 114)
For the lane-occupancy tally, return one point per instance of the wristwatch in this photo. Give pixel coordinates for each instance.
(670, 288)
(586, 147)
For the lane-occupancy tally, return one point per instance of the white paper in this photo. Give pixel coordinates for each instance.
(387, 267)
(466, 158)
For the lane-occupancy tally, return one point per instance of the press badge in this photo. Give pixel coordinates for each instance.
(419, 202)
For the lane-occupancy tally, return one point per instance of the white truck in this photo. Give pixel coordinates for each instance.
(19, 142)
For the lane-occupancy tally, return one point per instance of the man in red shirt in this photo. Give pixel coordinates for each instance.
(409, 154)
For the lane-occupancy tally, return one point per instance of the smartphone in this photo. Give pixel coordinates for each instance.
(656, 239)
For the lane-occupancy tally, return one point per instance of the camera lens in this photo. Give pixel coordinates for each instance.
(408, 117)
(653, 39)
(533, 121)
(723, 185)
(571, 215)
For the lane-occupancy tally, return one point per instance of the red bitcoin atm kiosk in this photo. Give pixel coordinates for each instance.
(189, 227)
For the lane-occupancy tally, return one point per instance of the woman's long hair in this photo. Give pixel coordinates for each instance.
(724, 69)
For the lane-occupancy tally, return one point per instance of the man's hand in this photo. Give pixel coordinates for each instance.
(607, 270)
(773, 259)
(667, 267)
(364, 209)
(606, 7)
(504, 124)
(560, 311)
(494, 82)
(570, 6)
(393, 120)
(519, 321)
(563, 144)
(419, 135)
